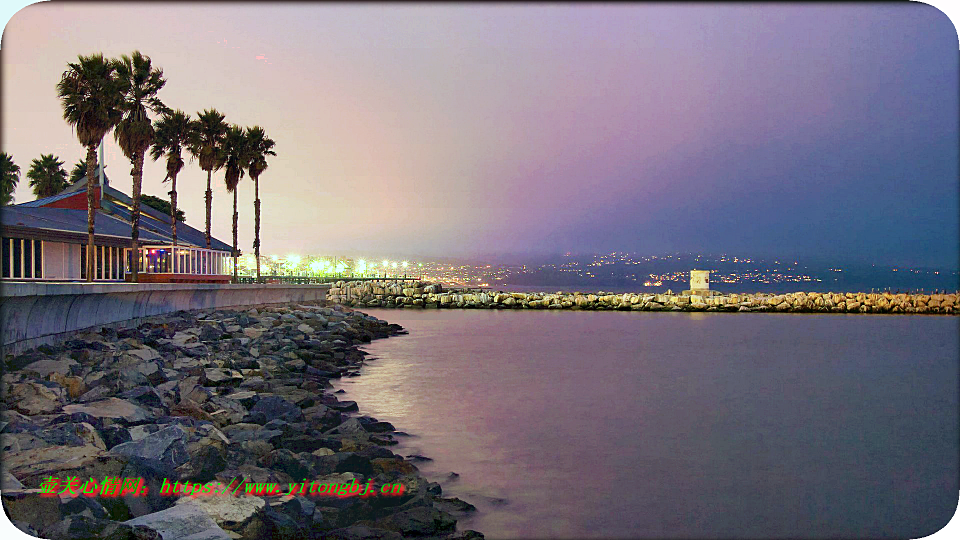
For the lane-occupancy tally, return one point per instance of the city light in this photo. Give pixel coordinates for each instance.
(315, 267)
(386, 263)
(404, 264)
(293, 260)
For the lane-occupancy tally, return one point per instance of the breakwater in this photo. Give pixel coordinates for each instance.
(94, 428)
(417, 294)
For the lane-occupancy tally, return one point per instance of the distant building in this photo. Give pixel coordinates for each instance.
(699, 284)
(46, 240)
(699, 280)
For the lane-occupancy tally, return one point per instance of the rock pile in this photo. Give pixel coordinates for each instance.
(416, 294)
(225, 396)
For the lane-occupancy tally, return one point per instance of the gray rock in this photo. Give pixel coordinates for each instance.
(182, 521)
(33, 398)
(418, 521)
(166, 448)
(145, 354)
(62, 366)
(350, 427)
(362, 532)
(220, 376)
(80, 526)
(112, 408)
(230, 513)
(275, 407)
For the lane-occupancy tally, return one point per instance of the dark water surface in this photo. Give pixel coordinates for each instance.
(613, 424)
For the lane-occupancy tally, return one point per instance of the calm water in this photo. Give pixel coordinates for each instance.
(625, 424)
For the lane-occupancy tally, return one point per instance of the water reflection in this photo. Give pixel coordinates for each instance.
(609, 424)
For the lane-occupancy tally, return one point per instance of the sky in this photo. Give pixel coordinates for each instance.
(801, 131)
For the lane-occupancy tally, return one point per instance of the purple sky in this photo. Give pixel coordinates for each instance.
(792, 131)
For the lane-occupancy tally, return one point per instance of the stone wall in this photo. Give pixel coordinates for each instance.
(416, 294)
(33, 314)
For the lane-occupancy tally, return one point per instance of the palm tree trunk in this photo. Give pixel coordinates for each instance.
(209, 202)
(135, 214)
(91, 210)
(173, 207)
(235, 235)
(256, 220)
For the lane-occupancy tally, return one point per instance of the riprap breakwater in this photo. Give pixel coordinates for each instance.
(418, 294)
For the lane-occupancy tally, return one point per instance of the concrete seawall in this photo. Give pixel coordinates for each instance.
(33, 314)
(415, 294)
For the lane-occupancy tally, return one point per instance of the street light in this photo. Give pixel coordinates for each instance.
(294, 261)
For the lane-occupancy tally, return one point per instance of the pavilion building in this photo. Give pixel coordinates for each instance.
(46, 240)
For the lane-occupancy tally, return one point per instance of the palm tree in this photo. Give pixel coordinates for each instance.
(260, 147)
(236, 154)
(134, 133)
(206, 138)
(91, 95)
(171, 135)
(47, 176)
(78, 172)
(9, 177)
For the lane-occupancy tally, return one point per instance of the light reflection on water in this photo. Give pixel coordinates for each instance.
(608, 424)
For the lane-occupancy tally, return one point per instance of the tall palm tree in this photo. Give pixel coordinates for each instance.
(78, 172)
(171, 135)
(260, 147)
(9, 178)
(47, 176)
(134, 134)
(91, 95)
(236, 154)
(206, 139)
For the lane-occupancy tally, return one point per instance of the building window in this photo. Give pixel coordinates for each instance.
(17, 257)
(7, 247)
(22, 258)
(37, 259)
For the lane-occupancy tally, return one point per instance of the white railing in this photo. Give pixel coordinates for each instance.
(169, 259)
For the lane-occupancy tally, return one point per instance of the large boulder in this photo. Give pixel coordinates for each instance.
(182, 522)
(230, 513)
(275, 407)
(418, 521)
(80, 526)
(166, 449)
(113, 408)
(36, 397)
(60, 366)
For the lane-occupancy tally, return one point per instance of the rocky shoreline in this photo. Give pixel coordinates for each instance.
(211, 396)
(417, 294)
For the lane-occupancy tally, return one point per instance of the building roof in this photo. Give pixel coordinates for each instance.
(46, 200)
(62, 220)
(112, 221)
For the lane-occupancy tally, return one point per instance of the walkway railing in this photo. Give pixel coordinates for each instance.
(322, 279)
